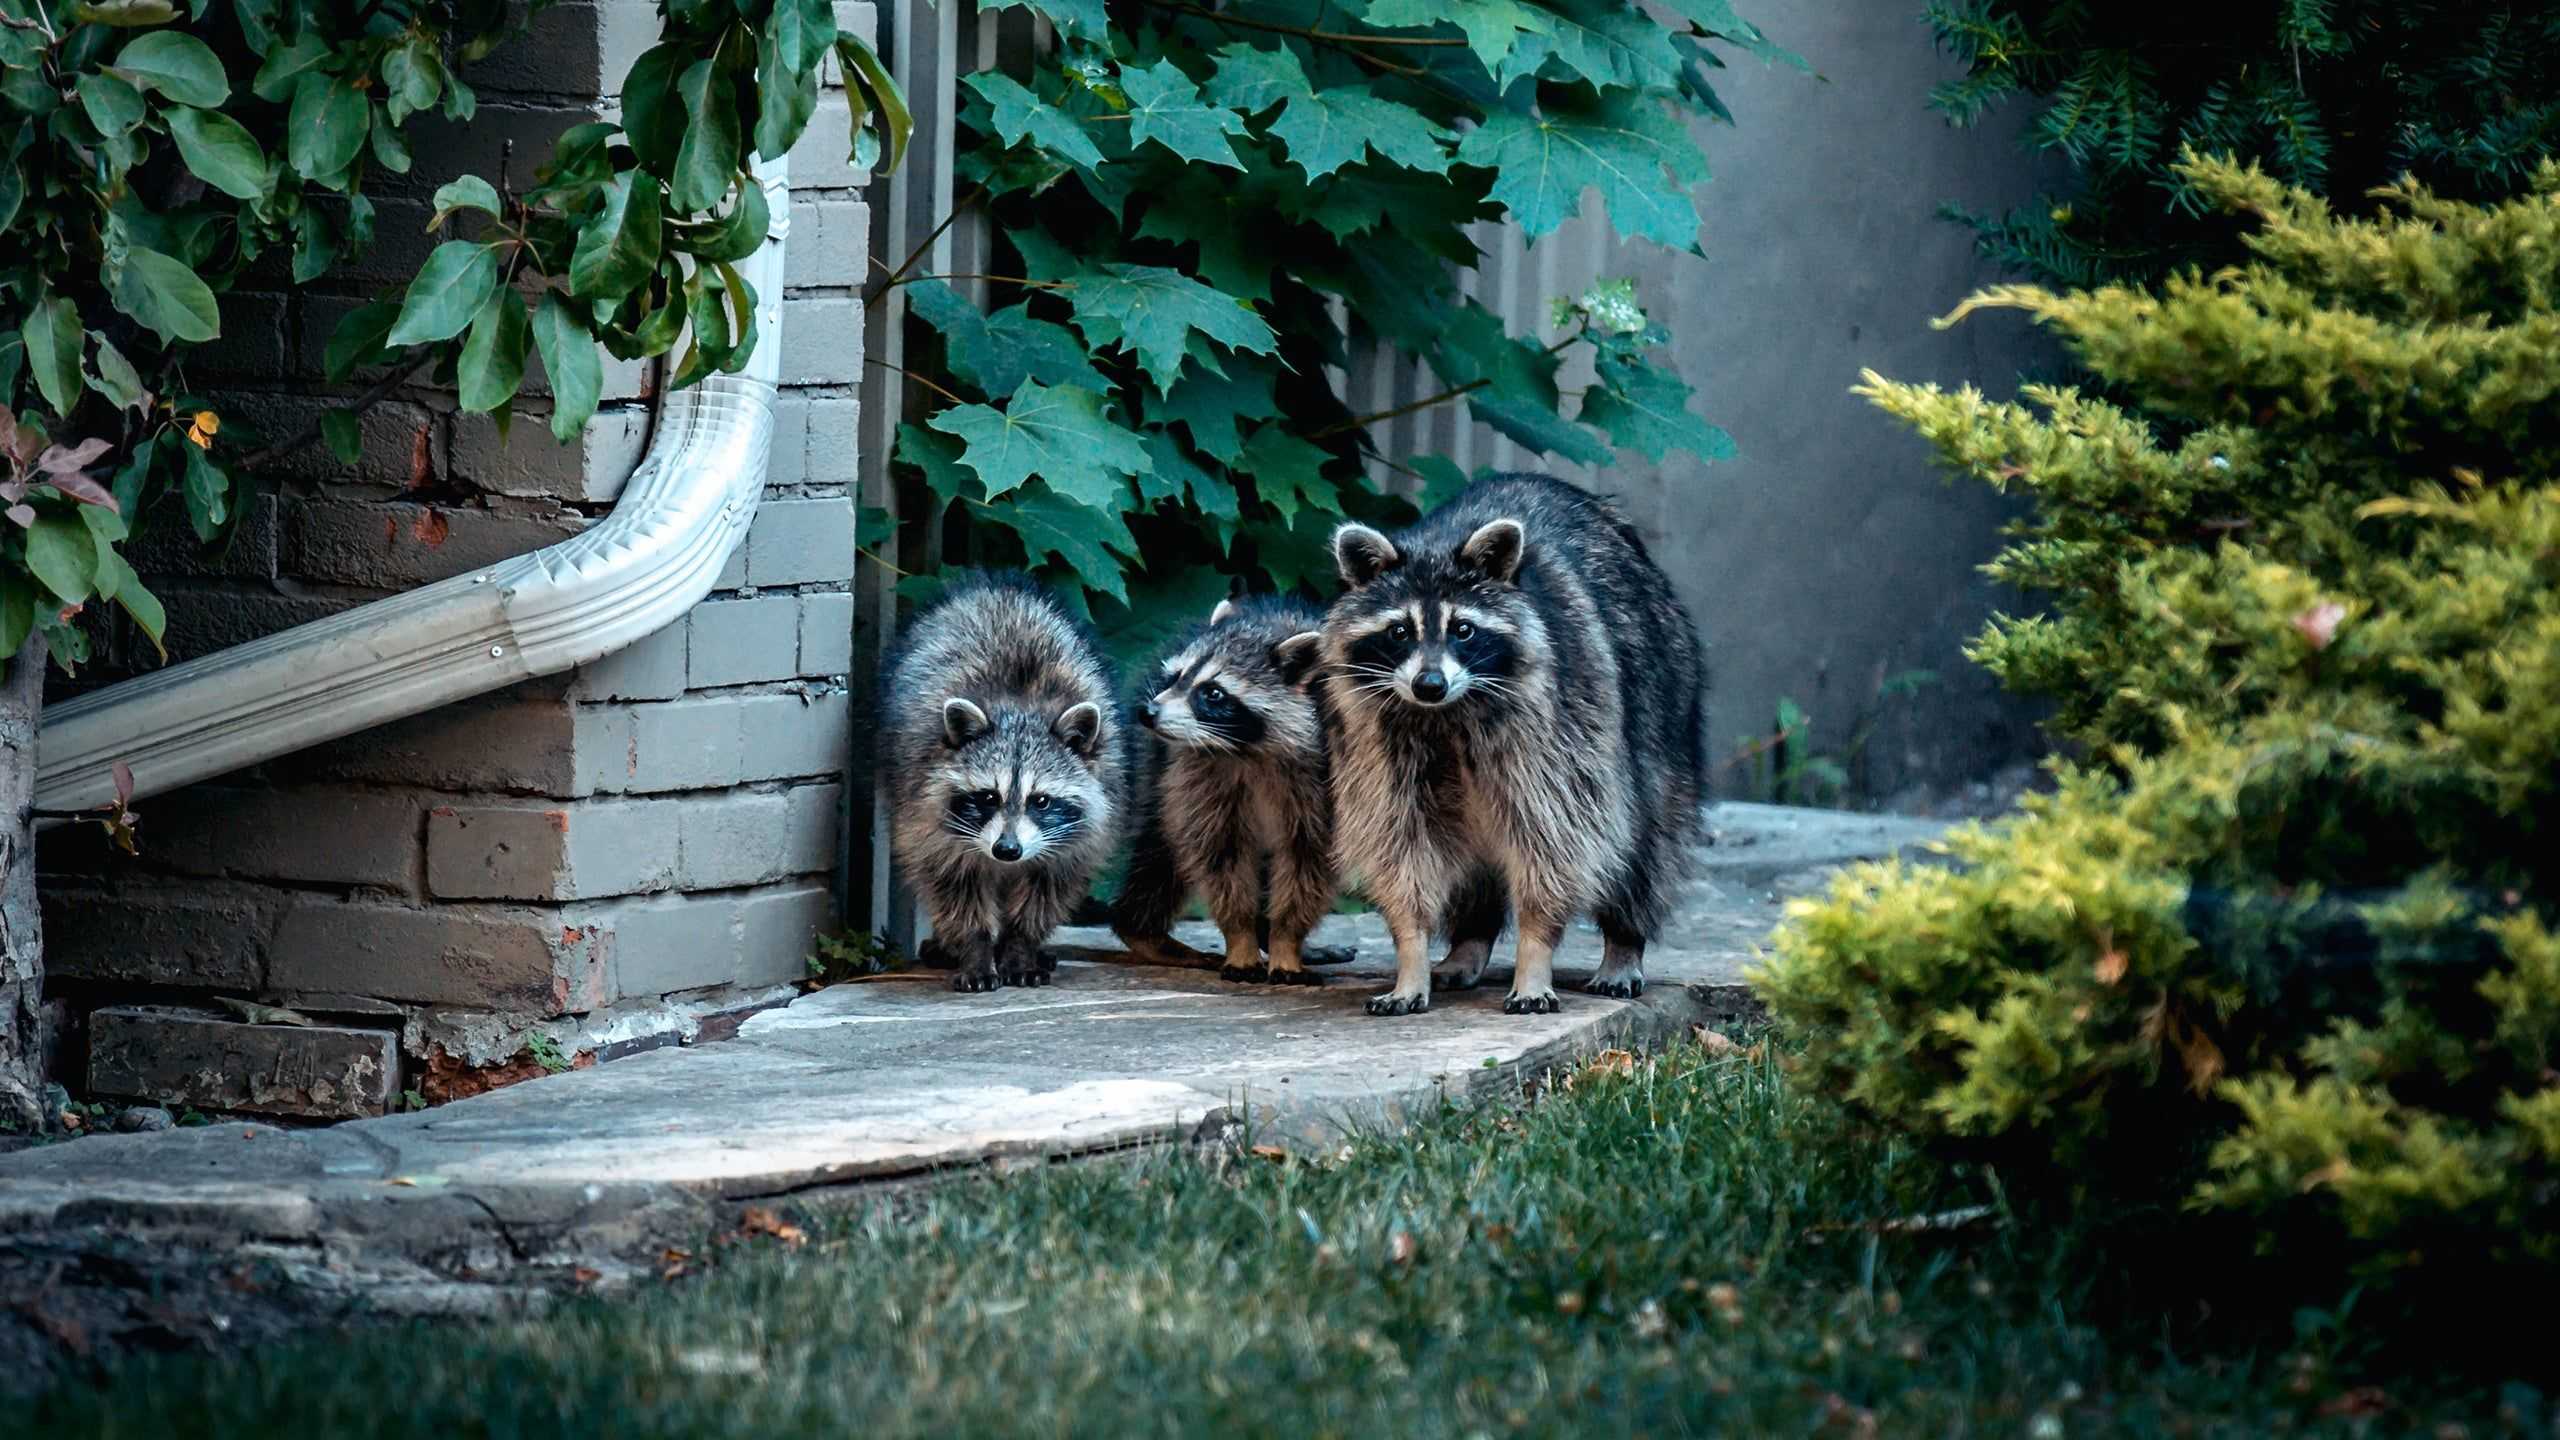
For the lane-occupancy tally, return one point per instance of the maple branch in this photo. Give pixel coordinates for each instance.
(919, 379)
(1452, 393)
(1347, 43)
(375, 395)
(976, 193)
(1023, 280)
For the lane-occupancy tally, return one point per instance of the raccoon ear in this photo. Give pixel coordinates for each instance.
(1078, 727)
(1362, 554)
(1226, 611)
(962, 722)
(1495, 549)
(1297, 655)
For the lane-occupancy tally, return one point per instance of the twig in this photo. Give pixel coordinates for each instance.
(1445, 396)
(1332, 39)
(1022, 280)
(366, 401)
(919, 379)
(883, 564)
(976, 192)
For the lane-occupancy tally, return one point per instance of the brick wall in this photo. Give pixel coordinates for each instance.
(666, 820)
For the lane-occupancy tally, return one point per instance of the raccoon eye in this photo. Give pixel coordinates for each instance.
(1214, 694)
(1039, 800)
(1399, 632)
(987, 799)
(1463, 630)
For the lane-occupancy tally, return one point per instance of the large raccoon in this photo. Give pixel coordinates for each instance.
(1519, 703)
(1236, 808)
(1005, 763)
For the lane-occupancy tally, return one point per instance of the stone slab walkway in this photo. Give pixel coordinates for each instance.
(588, 1178)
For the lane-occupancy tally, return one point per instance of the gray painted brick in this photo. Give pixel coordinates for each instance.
(590, 469)
(681, 942)
(731, 840)
(477, 146)
(834, 440)
(202, 621)
(520, 746)
(683, 745)
(256, 340)
(778, 932)
(741, 642)
(822, 341)
(576, 851)
(830, 242)
(799, 542)
(823, 157)
(652, 669)
(177, 1058)
(788, 460)
(826, 634)
(788, 737)
(815, 819)
(560, 52)
(166, 544)
(391, 432)
(733, 571)
(403, 545)
(311, 834)
(496, 958)
(154, 935)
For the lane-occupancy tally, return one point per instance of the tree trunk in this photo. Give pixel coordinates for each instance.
(22, 1017)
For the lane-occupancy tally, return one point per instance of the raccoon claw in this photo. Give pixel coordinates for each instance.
(1328, 955)
(977, 981)
(1545, 1004)
(1289, 977)
(1242, 974)
(1623, 987)
(1033, 977)
(1396, 1003)
(1446, 978)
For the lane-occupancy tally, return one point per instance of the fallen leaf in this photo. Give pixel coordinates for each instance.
(2111, 967)
(1714, 1042)
(1611, 1062)
(2319, 624)
(202, 429)
(585, 1276)
(1271, 1152)
(758, 1220)
(1400, 1247)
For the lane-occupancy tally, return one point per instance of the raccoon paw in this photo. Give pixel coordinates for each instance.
(1395, 1002)
(1277, 976)
(1623, 987)
(1031, 975)
(1540, 1004)
(977, 979)
(1457, 977)
(1328, 955)
(1240, 973)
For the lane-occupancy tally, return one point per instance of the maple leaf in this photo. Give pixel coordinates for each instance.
(1166, 107)
(1058, 433)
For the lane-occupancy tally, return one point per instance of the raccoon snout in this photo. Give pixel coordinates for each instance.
(1431, 687)
(1007, 849)
(1147, 714)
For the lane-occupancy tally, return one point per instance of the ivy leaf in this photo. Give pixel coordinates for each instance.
(176, 64)
(163, 296)
(1164, 106)
(1210, 405)
(111, 104)
(1081, 536)
(327, 125)
(1517, 395)
(653, 113)
(207, 494)
(1286, 473)
(996, 353)
(1645, 408)
(1058, 433)
(448, 294)
(1153, 310)
(414, 76)
(569, 359)
(938, 456)
(468, 193)
(491, 369)
(345, 433)
(1018, 113)
(709, 152)
(62, 556)
(1544, 163)
(53, 338)
(618, 249)
(1251, 78)
(1492, 26)
(1328, 131)
(285, 66)
(118, 380)
(145, 608)
(360, 338)
(220, 152)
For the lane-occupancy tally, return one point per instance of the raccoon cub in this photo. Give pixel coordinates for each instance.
(1003, 753)
(1519, 703)
(1236, 806)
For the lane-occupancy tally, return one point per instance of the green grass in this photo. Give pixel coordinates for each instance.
(1690, 1248)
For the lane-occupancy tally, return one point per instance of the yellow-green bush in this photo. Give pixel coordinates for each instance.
(2282, 947)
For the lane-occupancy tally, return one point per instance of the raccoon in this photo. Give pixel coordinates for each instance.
(1004, 756)
(1519, 705)
(1235, 800)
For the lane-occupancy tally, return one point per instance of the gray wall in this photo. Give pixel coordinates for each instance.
(1831, 554)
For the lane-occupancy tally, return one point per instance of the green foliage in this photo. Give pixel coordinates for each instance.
(148, 161)
(1198, 214)
(2282, 954)
(2331, 96)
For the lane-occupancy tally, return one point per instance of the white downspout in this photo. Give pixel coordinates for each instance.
(618, 581)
